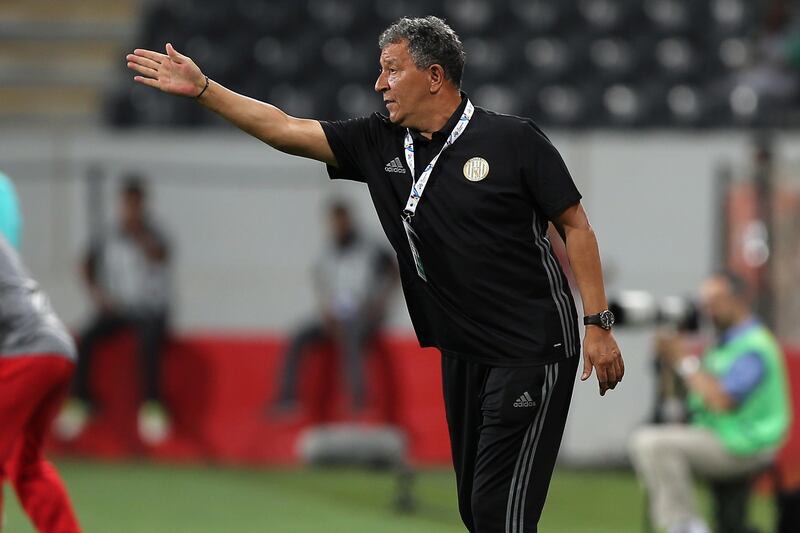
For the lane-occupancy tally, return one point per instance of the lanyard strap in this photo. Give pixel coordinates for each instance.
(418, 185)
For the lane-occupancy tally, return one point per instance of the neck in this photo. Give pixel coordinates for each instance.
(738, 321)
(443, 105)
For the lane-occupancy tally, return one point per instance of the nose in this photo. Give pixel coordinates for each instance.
(380, 84)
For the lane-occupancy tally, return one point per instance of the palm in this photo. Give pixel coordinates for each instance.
(172, 73)
(174, 78)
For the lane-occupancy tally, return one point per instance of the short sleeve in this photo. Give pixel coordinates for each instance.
(349, 141)
(744, 375)
(545, 174)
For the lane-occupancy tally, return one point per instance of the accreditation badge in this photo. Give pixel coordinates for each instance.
(414, 244)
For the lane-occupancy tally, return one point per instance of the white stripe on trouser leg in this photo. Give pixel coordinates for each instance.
(527, 465)
(528, 445)
(535, 430)
(520, 462)
(530, 467)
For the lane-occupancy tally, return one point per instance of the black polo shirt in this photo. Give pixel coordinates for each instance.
(495, 292)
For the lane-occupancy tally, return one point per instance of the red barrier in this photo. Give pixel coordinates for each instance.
(789, 457)
(218, 388)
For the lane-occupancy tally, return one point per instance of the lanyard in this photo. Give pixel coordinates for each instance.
(418, 185)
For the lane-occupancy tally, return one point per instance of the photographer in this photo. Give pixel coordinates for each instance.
(738, 404)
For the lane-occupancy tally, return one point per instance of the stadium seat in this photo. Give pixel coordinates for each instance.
(576, 63)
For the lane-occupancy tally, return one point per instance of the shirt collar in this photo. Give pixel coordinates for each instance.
(441, 135)
(738, 330)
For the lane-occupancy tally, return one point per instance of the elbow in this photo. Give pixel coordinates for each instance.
(582, 229)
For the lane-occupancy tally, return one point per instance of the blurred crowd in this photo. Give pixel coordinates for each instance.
(574, 63)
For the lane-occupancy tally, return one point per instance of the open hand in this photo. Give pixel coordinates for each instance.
(173, 73)
(600, 351)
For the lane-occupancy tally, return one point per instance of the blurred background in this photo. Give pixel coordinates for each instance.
(677, 118)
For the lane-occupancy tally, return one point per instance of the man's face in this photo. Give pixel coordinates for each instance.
(719, 303)
(131, 209)
(341, 225)
(403, 86)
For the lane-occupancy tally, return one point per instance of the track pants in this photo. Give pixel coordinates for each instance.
(505, 429)
(32, 389)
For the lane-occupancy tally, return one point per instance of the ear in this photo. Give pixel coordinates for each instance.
(437, 77)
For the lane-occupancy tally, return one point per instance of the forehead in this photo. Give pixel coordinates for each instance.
(395, 52)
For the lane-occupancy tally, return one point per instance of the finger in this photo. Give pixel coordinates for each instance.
(149, 54)
(150, 82)
(611, 375)
(587, 368)
(175, 55)
(145, 62)
(149, 72)
(602, 379)
(620, 367)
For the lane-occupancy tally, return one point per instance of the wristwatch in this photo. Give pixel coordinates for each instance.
(604, 319)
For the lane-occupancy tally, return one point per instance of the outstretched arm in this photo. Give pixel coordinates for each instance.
(600, 349)
(177, 74)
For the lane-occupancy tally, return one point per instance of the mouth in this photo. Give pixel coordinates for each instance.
(387, 102)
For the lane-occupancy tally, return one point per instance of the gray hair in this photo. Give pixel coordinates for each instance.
(430, 42)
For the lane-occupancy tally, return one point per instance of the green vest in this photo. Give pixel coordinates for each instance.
(761, 421)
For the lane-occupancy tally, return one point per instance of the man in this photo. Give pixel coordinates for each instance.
(353, 279)
(36, 363)
(739, 408)
(477, 271)
(126, 272)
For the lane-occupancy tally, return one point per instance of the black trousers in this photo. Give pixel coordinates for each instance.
(150, 332)
(505, 429)
(352, 338)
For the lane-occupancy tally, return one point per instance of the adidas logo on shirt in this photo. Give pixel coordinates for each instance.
(395, 166)
(525, 401)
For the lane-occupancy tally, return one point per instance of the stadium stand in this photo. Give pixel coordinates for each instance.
(55, 57)
(573, 63)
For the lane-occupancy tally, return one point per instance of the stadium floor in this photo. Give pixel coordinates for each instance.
(154, 498)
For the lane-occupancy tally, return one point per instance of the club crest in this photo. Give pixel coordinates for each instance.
(476, 169)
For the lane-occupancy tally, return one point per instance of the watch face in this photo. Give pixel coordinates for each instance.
(607, 319)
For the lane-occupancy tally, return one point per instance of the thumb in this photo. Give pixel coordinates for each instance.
(173, 54)
(587, 369)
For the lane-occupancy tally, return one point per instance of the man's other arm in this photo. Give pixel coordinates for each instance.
(177, 74)
(600, 347)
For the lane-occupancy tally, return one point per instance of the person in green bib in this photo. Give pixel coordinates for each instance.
(738, 403)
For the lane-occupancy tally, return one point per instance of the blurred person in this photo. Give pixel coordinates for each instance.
(478, 273)
(773, 73)
(10, 220)
(353, 279)
(126, 272)
(738, 404)
(37, 358)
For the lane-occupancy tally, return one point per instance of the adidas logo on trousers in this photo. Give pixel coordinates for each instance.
(525, 401)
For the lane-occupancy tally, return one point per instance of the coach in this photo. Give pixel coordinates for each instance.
(464, 196)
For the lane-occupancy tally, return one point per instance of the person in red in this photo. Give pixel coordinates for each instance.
(37, 358)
